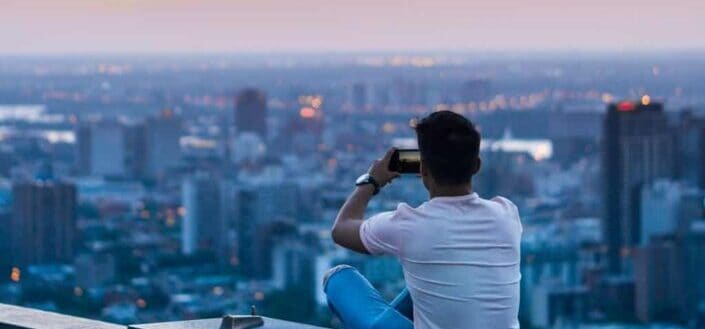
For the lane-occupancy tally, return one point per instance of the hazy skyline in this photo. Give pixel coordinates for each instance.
(149, 26)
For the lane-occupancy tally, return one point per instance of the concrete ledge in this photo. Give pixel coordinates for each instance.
(16, 317)
(215, 324)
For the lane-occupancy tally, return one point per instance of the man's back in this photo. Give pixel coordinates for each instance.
(460, 257)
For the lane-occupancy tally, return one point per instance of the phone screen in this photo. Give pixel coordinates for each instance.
(406, 161)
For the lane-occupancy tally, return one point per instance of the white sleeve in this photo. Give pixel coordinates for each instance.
(380, 234)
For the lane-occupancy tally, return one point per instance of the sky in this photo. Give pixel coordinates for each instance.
(312, 26)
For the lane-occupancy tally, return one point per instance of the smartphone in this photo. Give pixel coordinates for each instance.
(406, 161)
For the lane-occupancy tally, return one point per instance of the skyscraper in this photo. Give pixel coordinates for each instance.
(691, 148)
(203, 227)
(638, 147)
(101, 149)
(110, 148)
(251, 112)
(258, 223)
(162, 135)
(43, 222)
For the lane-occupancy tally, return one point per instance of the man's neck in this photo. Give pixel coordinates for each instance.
(458, 190)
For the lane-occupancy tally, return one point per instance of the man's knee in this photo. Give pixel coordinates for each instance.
(333, 271)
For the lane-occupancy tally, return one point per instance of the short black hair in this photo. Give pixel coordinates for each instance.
(449, 146)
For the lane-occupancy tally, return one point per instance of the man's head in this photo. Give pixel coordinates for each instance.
(450, 149)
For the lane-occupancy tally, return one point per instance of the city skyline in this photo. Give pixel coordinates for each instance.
(130, 26)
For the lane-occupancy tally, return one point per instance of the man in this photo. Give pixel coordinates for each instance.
(459, 252)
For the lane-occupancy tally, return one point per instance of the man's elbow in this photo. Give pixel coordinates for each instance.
(335, 234)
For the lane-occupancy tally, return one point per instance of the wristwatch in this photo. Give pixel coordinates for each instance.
(368, 179)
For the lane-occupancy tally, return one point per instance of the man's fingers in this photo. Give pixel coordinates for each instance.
(388, 155)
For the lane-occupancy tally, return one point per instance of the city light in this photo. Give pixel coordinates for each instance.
(259, 296)
(307, 113)
(626, 106)
(645, 100)
(15, 274)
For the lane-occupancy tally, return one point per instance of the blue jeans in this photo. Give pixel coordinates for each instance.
(359, 305)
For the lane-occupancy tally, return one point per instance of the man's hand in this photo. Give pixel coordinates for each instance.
(379, 170)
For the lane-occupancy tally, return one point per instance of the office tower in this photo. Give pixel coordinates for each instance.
(203, 227)
(668, 277)
(135, 149)
(263, 211)
(162, 134)
(669, 207)
(359, 97)
(110, 148)
(43, 222)
(292, 262)
(637, 149)
(251, 112)
(691, 148)
(83, 148)
(101, 148)
(107, 149)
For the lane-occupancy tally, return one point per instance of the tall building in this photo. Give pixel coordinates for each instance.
(251, 112)
(668, 278)
(669, 207)
(101, 148)
(203, 228)
(163, 150)
(110, 148)
(691, 148)
(259, 223)
(43, 222)
(638, 148)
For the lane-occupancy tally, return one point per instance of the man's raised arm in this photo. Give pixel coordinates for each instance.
(346, 230)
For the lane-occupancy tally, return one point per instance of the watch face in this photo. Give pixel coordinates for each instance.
(365, 178)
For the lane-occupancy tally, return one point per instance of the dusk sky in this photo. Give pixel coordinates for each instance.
(136, 26)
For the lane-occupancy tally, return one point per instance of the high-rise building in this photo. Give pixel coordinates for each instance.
(251, 112)
(203, 228)
(135, 149)
(638, 148)
(43, 222)
(101, 148)
(110, 148)
(162, 146)
(668, 278)
(107, 148)
(258, 223)
(669, 207)
(691, 148)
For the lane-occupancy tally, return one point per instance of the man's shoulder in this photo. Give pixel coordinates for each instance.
(503, 201)
(403, 211)
(504, 204)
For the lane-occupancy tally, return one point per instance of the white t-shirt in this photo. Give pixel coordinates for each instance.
(460, 257)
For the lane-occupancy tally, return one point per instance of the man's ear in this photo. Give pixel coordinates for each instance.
(476, 167)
